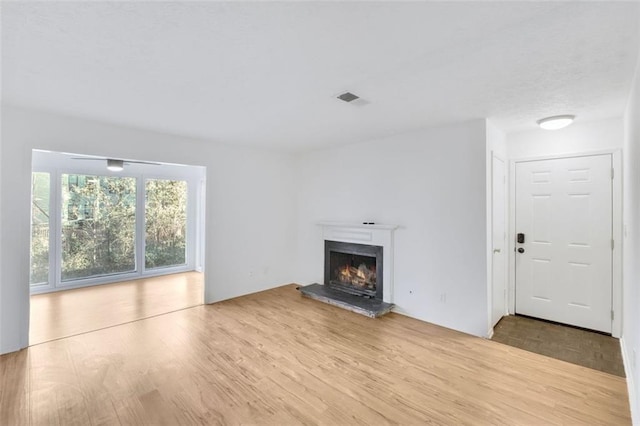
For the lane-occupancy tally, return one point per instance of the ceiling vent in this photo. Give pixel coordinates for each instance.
(348, 97)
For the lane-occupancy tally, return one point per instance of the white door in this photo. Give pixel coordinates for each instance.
(498, 270)
(564, 265)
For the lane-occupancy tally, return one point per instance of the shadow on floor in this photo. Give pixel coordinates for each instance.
(575, 345)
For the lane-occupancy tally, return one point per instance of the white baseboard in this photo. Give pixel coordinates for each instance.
(635, 419)
(489, 334)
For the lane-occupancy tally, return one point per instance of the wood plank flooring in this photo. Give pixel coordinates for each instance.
(70, 312)
(278, 358)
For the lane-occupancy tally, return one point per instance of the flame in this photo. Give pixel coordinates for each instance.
(361, 276)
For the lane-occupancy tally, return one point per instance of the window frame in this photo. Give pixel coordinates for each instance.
(56, 283)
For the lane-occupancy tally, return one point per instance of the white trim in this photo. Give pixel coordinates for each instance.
(631, 389)
(489, 172)
(617, 232)
(566, 155)
(490, 269)
(110, 279)
(201, 190)
(358, 225)
(616, 163)
(511, 247)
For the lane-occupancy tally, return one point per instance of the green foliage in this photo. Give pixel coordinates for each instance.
(39, 272)
(166, 222)
(98, 225)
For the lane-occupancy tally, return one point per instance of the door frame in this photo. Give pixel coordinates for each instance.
(616, 193)
(505, 270)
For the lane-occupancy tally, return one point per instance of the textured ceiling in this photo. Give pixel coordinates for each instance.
(266, 74)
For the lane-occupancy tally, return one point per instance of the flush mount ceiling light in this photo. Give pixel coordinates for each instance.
(115, 165)
(556, 122)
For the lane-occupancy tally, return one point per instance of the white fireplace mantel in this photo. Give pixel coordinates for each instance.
(375, 235)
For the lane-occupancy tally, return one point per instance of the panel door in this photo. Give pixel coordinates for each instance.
(564, 266)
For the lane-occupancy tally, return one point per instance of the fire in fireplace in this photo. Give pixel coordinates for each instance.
(364, 276)
(354, 268)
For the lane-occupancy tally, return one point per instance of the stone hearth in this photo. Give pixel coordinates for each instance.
(372, 308)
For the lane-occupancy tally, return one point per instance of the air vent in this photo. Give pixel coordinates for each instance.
(348, 97)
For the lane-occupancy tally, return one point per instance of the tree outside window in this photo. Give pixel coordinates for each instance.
(165, 223)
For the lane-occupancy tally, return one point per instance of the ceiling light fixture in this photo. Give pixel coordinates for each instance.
(115, 165)
(556, 122)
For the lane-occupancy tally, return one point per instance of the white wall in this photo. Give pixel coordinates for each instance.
(2, 332)
(433, 184)
(631, 273)
(578, 137)
(250, 207)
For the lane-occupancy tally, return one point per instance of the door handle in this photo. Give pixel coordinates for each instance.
(496, 250)
(520, 250)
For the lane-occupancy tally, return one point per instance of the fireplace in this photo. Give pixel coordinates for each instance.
(354, 268)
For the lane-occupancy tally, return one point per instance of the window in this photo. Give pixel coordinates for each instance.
(92, 226)
(165, 223)
(98, 225)
(40, 205)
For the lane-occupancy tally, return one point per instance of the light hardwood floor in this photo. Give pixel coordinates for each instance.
(277, 358)
(70, 312)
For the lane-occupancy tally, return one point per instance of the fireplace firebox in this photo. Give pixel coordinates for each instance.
(354, 268)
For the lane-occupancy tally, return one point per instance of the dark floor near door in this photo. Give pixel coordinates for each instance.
(574, 345)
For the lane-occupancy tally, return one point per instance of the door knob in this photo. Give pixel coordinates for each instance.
(520, 250)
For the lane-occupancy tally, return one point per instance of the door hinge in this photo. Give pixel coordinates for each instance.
(612, 244)
(612, 173)
(612, 315)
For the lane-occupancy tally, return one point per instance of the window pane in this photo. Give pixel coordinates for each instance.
(166, 223)
(39, 272)
(98, 225)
